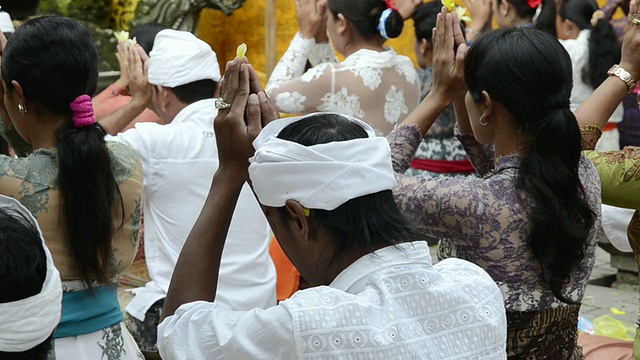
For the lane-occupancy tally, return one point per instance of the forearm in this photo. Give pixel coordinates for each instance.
(601, 104)
(462, 116)
(195, 277)
(119, 119)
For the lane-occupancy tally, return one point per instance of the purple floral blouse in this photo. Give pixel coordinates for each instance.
(485, 220)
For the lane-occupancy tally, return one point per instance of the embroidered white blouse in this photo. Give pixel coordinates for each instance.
(381, 88)
(392, 304)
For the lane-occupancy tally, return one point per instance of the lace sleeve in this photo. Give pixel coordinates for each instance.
(322, 53)
(292, 63)
(404, 141)
(590, 135)
(481, 156)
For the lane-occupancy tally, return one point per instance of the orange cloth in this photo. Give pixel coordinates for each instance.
(113, 98)
(288, 276)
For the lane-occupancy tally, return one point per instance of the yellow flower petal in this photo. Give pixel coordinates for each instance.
(121, 35)
(450, 4)
(241, 50)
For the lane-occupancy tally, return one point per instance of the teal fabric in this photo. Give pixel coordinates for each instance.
(84, 312)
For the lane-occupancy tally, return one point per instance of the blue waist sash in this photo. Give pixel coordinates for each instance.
(84, 312)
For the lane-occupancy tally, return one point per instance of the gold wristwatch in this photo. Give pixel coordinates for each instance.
(623, 75)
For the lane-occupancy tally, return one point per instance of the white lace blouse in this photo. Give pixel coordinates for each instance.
(381, 88)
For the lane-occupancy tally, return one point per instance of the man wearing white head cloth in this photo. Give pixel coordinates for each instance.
(179, 160)
(30, 286)
(325, 183)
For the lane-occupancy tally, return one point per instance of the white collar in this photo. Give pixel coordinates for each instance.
(410, 252)
(194, 108)
(372, 57)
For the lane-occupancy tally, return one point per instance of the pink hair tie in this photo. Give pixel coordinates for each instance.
(82, 111)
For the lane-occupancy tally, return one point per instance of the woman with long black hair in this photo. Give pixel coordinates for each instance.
(530, 220)
(86, 194)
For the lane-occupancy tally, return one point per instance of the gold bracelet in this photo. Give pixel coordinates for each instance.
(623, 75)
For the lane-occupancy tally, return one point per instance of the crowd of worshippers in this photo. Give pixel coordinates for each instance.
(500, 148)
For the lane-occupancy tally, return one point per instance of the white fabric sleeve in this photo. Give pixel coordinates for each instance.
(135, 138)
(203, 330)
(292, 63)
(322, 53)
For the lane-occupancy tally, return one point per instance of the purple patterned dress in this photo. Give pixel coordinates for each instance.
(485, 220)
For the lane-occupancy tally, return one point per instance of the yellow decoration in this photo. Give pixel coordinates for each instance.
(241, 50)
(616, 311)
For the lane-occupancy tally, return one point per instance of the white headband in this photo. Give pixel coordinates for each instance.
(180, 58)
(322, 176)
(28, 322)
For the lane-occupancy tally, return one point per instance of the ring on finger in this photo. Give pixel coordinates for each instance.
(635, 21)
(220, 104)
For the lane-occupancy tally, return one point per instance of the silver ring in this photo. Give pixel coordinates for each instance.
(220, 104)
(635, 21)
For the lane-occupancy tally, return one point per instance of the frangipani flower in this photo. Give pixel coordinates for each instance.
(450, 4)
(241, 50)
(131, 42)
(461, 11)
(121, 35)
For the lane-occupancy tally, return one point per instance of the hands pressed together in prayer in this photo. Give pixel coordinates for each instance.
(237, 126)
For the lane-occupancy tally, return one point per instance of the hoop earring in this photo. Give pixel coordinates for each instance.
(22, 108)
(482, 123)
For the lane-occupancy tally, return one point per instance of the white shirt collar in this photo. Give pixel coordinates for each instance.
(193, 108)
(417, 251)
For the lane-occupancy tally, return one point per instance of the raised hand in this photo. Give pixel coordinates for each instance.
(630, 60)
(449, 52)
(312, 19)
(137, 67)
(237, 126)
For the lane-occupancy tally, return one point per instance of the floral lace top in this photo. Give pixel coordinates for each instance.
(381, 88)
(31, 180)
(485, 220)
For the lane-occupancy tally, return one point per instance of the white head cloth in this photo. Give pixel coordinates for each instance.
(179, 58)
(28, 322)
(322, 176)
(6, 26)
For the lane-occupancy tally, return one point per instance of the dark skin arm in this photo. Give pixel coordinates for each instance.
(195, 277)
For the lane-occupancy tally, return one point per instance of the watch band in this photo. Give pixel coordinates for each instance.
(622, 74)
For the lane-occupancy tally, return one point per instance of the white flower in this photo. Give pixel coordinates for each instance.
(371, 77)
(342, 103)
(241, 50)
(290, 102)
(121, 35)
(394, 106)
(406, 69)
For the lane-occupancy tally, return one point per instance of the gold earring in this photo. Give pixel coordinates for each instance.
(22, 108)
(483, 123)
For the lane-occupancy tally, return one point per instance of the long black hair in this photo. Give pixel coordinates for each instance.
(55, 60)
(604, 50)
(364, 16)
(529, 73)
(361, 224)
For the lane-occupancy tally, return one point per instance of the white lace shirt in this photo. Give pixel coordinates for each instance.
(381, 88)
(392, 304)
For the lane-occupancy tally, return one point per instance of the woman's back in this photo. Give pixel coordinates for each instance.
(31, 180)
